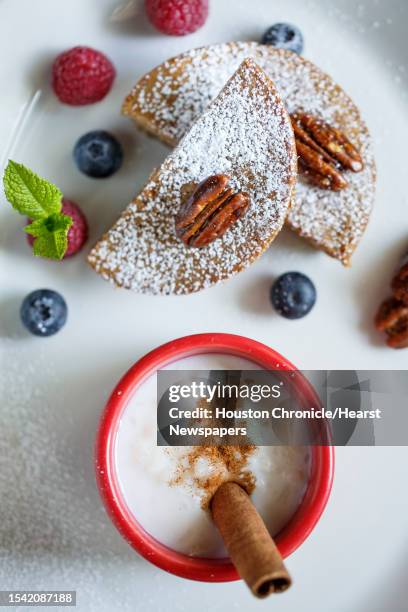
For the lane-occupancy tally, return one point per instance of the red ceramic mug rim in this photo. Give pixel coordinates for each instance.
(209, 570)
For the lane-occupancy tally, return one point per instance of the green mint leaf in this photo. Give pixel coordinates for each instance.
(51, 235)
(30, 194)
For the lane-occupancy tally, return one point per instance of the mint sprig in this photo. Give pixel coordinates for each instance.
(51, 235)
(40, 201)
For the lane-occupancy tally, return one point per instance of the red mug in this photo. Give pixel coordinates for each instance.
(195, 568)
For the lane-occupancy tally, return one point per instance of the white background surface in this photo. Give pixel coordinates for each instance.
(53, 530)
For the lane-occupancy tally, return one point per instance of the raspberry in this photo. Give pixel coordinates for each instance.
(177, 17)
(82, 75)
(77, 233)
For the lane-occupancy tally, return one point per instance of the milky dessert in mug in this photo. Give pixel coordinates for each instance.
(168, 489)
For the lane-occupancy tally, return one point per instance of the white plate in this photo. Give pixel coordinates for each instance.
(53, 528)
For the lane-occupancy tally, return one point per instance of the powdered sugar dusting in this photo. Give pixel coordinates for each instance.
(166, 101)
(246, 134)
(54, 532)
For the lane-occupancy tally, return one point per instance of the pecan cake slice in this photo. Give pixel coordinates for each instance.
(217, 201)
(335, 193)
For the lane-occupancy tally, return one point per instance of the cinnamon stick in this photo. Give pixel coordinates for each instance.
(248, 542)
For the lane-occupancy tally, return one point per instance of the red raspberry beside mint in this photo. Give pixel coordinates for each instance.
(77, 233)
(56, 226)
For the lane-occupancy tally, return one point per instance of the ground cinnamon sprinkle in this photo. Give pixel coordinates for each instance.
(223, 463)
(204, 468)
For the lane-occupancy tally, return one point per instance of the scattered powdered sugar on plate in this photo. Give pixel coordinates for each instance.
(246, 134)
(167, 100)
(54, 533)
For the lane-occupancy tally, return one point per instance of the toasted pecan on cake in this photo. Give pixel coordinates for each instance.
(167, 100)
(246, 135)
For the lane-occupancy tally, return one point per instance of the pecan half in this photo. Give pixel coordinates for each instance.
(392, 318)
(324, 152)
(319, 171)
(399, 284)
(210, 211)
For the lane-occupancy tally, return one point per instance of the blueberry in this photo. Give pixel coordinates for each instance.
(293, 295)
(98, 154)
(43, 312)
(284, 36)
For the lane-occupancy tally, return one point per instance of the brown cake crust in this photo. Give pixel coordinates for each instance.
(245, 133)
(169, 98)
